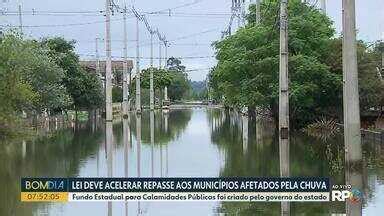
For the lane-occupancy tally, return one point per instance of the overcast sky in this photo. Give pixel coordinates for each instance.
(190, 33)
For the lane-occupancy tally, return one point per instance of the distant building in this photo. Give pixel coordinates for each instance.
(117, 69)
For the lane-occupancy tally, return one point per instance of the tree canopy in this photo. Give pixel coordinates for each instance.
(248, 64)
(37, 76)
(173, 76)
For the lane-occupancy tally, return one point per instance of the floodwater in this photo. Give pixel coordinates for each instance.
(200, 142)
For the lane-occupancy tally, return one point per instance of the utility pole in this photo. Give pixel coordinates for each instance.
(125, 67)
(20, 19)
(151, 87)
(159, 53)
(258, 12)
(152, 137)
(97, 55)
(108, 63)
(352, 135)
(138, 89)
(166, 54)
(108, 94)
(323, 5)
(165, 67)
(284, 98)
(151, 48)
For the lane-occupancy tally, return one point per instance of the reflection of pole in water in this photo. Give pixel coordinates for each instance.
(46, 125)
(353, 177)
(259, 132)
(127, 144)
(245, 133)
(166, 147)
(97, 162)
(138, 142)
(93, 119)
(284, 171)
(109, 208)
(161, 160)
(166, 161)
(109, 149)
(152, 128)
(24, 149)
(211, 116)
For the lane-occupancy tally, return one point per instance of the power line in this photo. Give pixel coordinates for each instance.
(147, 43)
(178, 7)
(194, 34)
(61, 25)
(181, 57)
(35, 12)
(170, 15)
(191, 44)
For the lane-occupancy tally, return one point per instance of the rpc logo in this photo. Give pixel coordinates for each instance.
(354, 195)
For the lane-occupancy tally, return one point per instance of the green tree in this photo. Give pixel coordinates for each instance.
(180, 85)
(161, 78)
(371, 87)
(248, 63)
(46, 78)
(84, 87)
(16, 92)
(87, 91)
(174, 77)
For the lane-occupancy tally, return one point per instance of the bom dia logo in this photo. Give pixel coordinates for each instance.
(43, 185)
(353, 195)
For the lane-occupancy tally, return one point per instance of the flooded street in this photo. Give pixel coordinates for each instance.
(199, 142)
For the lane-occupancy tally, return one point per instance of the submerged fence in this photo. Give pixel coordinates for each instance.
(375, 136)
(370, 135)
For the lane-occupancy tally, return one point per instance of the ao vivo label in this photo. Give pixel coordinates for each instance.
(346, 193)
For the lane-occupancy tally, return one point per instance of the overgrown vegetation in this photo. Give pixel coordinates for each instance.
(174, 77)
(248, 66)
(42, 76)
(323, 129)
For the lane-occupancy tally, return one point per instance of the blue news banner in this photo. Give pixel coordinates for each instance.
(175, 189)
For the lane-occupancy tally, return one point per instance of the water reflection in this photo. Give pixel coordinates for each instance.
(353, 177)
(197, 142)
(109, 148)
(152, 128)
(264, 157)
(245, 134)
(284, 171)
(166, 116)
(138, 143)
(127, 145)
(259, 130)
(49, 153)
